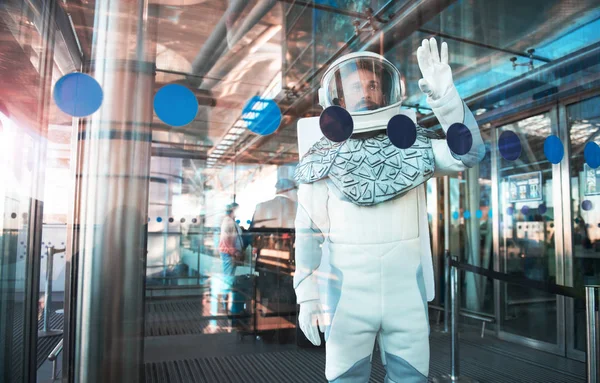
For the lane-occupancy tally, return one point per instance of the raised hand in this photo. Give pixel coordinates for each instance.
(437, 75)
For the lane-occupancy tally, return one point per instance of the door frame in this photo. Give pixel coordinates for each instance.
(563, 234)
(571, 351)
(559, 347)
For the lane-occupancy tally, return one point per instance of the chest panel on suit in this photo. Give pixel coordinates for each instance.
(391, 221)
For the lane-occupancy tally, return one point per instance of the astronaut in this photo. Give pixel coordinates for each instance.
(363, 201)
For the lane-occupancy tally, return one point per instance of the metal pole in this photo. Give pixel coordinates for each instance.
(446, 252)
(447, 290)
(454, 320)
(592, 334)
(454, 375)
(105, 340)
(48, 292)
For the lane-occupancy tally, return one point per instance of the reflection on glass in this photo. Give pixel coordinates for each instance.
(584, 126)
(526, 233)
(471, 230)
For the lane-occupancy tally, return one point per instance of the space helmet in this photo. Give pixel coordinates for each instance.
(367, 86)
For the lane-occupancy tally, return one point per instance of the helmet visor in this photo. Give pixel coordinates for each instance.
(363, 84)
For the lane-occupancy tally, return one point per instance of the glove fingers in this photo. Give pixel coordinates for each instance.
(424, 86)
(315, 338)
(426, 54)
(435, 54)
(423, 60)
(322, 322)
(444, 53)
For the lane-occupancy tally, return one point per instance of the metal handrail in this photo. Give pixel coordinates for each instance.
(50, 252)
(53, 356)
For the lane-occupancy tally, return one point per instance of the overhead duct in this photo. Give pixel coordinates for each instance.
(218, 42)
(230, 63)
(257, 13)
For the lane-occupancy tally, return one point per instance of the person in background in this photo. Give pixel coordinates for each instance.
(230, 248)
(279, 212)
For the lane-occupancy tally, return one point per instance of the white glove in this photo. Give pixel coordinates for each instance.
(437, 75)
(311, 320)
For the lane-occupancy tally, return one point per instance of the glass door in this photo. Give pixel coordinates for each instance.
(529, 240)
(582, 187)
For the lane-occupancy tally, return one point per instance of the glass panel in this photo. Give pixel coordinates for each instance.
(475, 68)
(554, 28)
(584, 126)
(527, 245)
(471, 234)
(34, 188)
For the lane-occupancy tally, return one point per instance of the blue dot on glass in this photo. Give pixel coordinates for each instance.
(459, 139)
(510, 210)
(467, 214)
(78, 94)
(553, 149)
(237, 221)
(525, 210)
(175, 105)
(509, 145)
(455, 215)
(402, 131)
(591, 153)
(159, 219)
(479, 214)
(490, 213)
(587, 205)
(262, 116)
(336, 124)
(542, 208)
(248, 222)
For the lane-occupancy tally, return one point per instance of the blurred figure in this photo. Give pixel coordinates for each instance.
(279, 212)
(230, 248)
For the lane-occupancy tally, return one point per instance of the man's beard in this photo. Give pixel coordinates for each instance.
(365, 105)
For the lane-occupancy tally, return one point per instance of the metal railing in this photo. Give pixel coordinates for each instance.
(46, 330)
(590, 296)
(53, 357)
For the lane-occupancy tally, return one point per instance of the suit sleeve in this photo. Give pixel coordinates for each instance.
(312, 226)
(451, 109)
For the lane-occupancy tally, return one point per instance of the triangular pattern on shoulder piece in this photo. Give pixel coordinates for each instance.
(368, 171)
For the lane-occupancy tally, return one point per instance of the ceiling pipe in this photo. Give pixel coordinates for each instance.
(228, 64)
(218, 43)
(257, 13)
(215, 44)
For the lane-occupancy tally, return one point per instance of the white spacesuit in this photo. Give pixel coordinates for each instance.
(363, 200)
